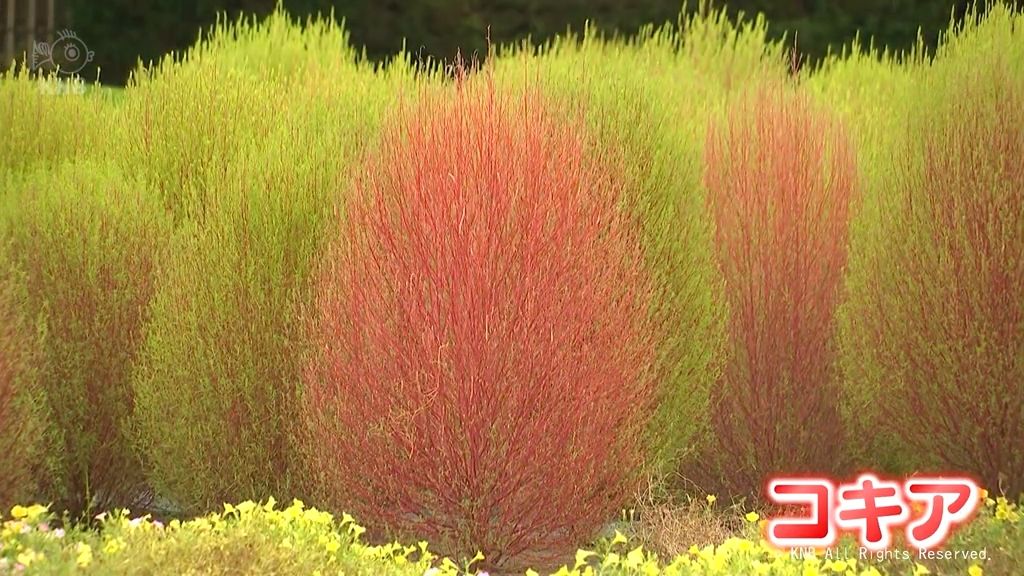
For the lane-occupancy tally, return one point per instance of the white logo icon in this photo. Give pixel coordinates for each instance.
(67, 54)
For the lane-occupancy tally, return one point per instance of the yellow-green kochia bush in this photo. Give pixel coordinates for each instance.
(186, 122)
(933, 331)
(870, 90)
(277, 47)
(47, 121)
(217, 384)
(637, 121)
(647, 101)
(25, 434)
(189, 118)
(86, 238)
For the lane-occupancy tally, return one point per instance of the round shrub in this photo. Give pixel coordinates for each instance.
(484, 360)
(216, 386)
(24, 427)
(780, 177)
(87, 240)
(634, 122)
(933, 331)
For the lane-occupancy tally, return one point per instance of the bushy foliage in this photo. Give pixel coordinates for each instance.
(87, 240)
(25, 435)
(647, 101)
(277, 47)
(46, 121)
(193, 116)
(440, 27)
(479, 310)
(729, 50)
(934, 330)
(484, 360)
(217, 381)
(780, 177)
(871, 91)
(185, 124)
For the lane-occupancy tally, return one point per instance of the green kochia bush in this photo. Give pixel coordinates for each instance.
(871, 90)
(933, 332)
(217, 382)
(192, 116)
(647, 101)
(25, 431)
(277, 47)
(87, 240)
(185, 123)
(47, 121)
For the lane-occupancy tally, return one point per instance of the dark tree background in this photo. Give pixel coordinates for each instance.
(123, 31)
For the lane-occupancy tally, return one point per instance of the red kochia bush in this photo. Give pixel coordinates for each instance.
(484, 365)
(780, 177)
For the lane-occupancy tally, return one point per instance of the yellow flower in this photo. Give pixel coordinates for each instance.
(921, 569)
(1006, 510)
(333, 546)
(975, 570)
(28, 557)
(246, 507)
(618, 539)
(839, 566)
(84, 555)
(611, 559)
(13, 528)
(582, 556)
(635, 558)
(356, 530)
(29, 514)
(984, 494)
(113, 546)
(711, 498)
(478, 558)
(752, 517)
